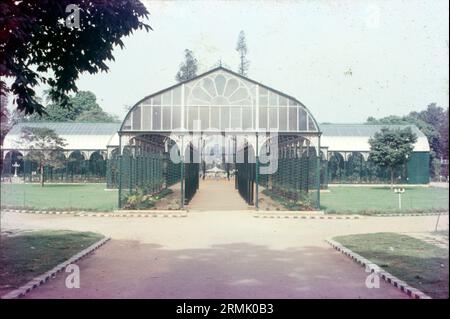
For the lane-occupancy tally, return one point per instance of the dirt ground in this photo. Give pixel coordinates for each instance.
(218, 254)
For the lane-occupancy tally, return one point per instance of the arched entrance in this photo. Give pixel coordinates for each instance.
(244, 115)
(12, 164)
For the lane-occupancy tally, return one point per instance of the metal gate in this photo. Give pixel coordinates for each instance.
(191, 175)
(245, 177)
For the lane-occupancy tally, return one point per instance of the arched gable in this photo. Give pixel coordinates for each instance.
(219, 100)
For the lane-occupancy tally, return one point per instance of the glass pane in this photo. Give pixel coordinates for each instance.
(273, 99)
(137, 118)
(176, 96)
(301, 119)
(215, 116)
(204, 117)
(232, 85)
(263, 91)
(238, 95)
(166, 118)
(146, 117)
(192, 115)
(224, 117)
(236, 117)
(156, 100)
(209, 87)
(176, 117)
(156, 118)
(200, 94)
(220, 84)
(293, 119)
(246, 117)
(312, 126)
(127, 124)
(187, 94)
(283, 101)
(167, 98)
(273, 118)
(263, 117)
(263, 100)
(283, 119)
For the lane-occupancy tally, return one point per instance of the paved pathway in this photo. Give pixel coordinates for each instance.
(217, 195)
(218, 255)
(439, 184)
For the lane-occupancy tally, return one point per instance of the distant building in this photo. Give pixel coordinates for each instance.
(346, 149)
(85, 152)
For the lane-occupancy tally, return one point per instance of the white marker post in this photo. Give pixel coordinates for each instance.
(399, 191)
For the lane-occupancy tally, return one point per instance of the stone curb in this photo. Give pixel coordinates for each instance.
(279, 216)
(408, 214)
(40, 280)
(94, 214)
(129, 215)
(400, 284)
(46, 212)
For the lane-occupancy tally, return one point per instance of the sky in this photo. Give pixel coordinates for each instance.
(345, 60)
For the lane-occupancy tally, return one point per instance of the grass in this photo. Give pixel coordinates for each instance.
(339, 199)
(383, 199)
(26, 255)
(59, 196)
(420, 264)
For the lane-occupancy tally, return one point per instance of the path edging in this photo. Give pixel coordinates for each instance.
(408, 214)
(374, 268)
(98, 214)
(294, 216)
(40, 280)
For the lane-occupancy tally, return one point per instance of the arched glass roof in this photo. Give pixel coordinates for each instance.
(219, 100)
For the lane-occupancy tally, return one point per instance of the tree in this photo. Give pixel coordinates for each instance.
(444, 144)
(37, 46)
(188, 68)
(430, 122)
(444, 136)
(4, 118)
(391, 148)
(83, 108)
(97, 116)
(82, 101)
(44, 147)
(241, 47)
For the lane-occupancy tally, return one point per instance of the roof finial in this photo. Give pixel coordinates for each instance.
(220, 64)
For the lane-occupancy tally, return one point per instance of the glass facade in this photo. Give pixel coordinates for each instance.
(219, 100)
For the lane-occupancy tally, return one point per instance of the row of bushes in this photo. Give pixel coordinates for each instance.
(143, 199)
(291, 199)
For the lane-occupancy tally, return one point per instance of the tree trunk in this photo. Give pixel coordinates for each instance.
(42, 175)
(392, 178)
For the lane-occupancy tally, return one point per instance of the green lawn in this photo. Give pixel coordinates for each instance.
(59, 196)
(354, 199)
(26, 255)
(422, 265)
(339, 199)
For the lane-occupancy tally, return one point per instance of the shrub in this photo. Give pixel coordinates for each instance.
(139, 201)
(143, 199)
